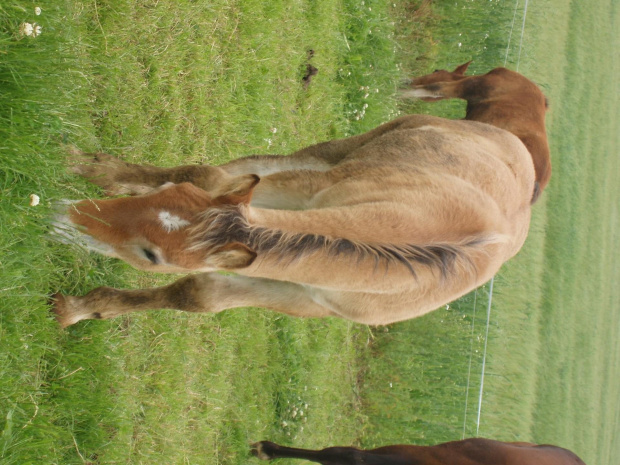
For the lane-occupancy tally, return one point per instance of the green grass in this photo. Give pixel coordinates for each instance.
(167, 84)
(580, 304)
(185, 82)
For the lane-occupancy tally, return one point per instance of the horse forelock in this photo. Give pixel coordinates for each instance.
(219, 227)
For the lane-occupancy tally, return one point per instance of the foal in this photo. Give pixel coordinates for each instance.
(376, 228)
(503, 98)
(474, 451)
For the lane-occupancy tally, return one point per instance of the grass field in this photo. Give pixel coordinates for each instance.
(552, 366)
(205, 82)
(164, 84)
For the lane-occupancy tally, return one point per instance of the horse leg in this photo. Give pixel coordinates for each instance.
(206, 292)
(291, 190)
(119, 177)
(266, 450)
(389, 455)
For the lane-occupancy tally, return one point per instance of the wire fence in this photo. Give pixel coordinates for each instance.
(490, 292)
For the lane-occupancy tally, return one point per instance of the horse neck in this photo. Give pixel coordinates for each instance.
(331, 252)
(525, 119)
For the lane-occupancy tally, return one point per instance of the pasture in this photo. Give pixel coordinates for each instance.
(171, 83)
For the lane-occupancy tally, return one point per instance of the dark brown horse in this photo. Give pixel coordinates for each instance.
(474, 451)
(502, 98)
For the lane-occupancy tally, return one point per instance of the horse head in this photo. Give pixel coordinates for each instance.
(439, 75)
(156, 231)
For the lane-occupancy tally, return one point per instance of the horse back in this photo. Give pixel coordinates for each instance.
(480, 451)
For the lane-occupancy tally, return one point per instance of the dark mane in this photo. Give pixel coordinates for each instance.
(223, 226)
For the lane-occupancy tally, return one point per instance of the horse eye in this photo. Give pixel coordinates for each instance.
(150, 256)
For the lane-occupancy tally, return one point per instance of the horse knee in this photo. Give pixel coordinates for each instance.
(192, 294)
(264, 450)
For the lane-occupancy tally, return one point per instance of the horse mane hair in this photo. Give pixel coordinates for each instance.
(221, 226)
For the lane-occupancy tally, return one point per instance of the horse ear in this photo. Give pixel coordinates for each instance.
(237, 190)
(231, 257)
(462, 68)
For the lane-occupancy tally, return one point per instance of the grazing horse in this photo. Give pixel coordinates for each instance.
(375, 228)
(474, 451)
(503, 98)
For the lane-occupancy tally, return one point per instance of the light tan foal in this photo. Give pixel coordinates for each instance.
(375, 228)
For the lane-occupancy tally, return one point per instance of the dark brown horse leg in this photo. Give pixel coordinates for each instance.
(266, 450)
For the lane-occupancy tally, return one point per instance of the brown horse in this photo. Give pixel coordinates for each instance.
(474, 451)
(376, 228)
(503, 98)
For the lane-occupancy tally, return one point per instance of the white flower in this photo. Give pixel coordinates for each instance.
(37, 11)
(273, 130)
(25, 29)
(37, 30)
(34, 200)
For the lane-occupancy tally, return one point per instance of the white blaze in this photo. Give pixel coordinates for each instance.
(172, 222)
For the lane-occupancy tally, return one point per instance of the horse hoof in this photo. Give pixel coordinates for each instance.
(60, 308)
(258, 450)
